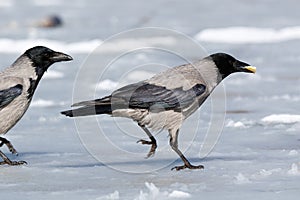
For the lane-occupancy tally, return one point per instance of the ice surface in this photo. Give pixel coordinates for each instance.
(257, 154)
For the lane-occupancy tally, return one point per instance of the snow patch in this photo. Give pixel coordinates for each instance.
(295, 128)
(47, 2)
(113, 196)
(264, 172)
(239, 124)
(293, 153)
(248, 78)
(241, 179)
(126, 44)
(285, 97)
(19, 46)
(139, 75)
(106, 85)
(281, 119)
(42, 103)
(8, 45)
(42, 119)
(155, 193)
(179, 194)
(6, 3)
(246, 35)
(52, 74)
(233, 124)
(294, 170)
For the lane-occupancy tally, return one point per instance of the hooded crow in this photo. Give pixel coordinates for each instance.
(167, 99)
(17, 85)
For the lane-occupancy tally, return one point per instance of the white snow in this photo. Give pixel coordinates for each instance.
(52, 74)
(129, 44)
(107, 85)
(6, 3)
(155, 193)
(139, 75)
(293, 153)
(237, 124)
(241, 124)
(281, 119)
(294, 170)
(42, 103)
(257, 154)
(264, 172)
(241, 179)
(47, 2)
(242, 35)
(113, 196)
(285, 97)
(8, 45)
(179, 194)
(134, 76)
(294, 129)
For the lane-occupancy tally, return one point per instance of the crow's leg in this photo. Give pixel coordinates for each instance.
(152, 142)
(9, 145)
(174, 145)
(7, 161)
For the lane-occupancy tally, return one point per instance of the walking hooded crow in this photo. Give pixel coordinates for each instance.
(167, 99)
(17, 85)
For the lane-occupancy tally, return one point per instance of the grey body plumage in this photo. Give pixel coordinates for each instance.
(167, 99)
(17, 86)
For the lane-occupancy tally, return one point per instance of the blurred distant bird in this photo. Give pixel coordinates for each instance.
(17, 85)
(167, 99)
(50, 22)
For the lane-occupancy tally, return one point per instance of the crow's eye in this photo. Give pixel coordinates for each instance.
(47, 54)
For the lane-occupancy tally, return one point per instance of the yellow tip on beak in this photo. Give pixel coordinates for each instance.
(251, 69)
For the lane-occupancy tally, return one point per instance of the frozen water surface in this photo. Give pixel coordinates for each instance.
(257, 155)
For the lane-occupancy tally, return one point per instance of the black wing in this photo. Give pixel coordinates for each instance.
(8, 95)
(145, 96)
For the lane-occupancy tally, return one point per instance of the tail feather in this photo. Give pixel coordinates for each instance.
(88, 110)
(104, 100)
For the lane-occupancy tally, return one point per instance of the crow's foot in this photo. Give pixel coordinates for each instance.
(9, 145)
(177, 168)
(152, 149)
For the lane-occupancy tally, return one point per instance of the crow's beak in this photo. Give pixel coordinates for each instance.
(249, 69)
(58, 57)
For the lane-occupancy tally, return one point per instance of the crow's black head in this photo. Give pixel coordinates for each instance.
(43, 57)
(228, 64)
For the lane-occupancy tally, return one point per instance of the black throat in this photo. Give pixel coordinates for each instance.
(32, 87)
(39, 71)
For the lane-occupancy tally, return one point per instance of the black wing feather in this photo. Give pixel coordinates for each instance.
(8, 95)
(140, 96)
(144, 96)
